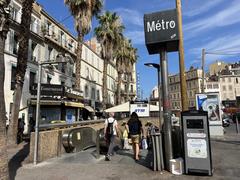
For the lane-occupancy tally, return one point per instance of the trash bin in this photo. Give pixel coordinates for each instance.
(158, 164)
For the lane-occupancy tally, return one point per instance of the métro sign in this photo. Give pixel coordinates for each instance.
(161, 30)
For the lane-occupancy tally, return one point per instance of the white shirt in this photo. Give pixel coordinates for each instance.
(110, 120)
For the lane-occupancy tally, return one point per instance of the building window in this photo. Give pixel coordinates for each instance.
(215, 86)
(86, 91)
(49, 80)
(13, 77)
(229, 79)
(230, 87)
(98, 95)
(224, 88)
(93, 93)
(223, 79)
(131, 88)
(237, 80)
(209, 86)
(32, 79)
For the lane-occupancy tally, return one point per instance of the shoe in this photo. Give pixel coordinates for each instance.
(107, 157)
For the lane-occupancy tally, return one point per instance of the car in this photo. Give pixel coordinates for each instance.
(226, 122)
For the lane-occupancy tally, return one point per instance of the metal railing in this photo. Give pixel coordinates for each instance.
(66, 125)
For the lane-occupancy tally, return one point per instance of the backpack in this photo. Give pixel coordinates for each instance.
(110, 128)
(134, 128)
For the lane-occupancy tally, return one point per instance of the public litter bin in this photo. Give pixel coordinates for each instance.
(158, 164)
(196, 141)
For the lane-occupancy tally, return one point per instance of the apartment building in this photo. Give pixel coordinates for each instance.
(128, 84)
(193, 78)
(48, 41)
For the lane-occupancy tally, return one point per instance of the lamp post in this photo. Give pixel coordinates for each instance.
(40, 64)
(157, 66)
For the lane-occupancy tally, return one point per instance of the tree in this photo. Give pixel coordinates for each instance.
(4, 22)
(27, 6)
(120, 55)
(108, 33)
(83, 11)
(132, 59)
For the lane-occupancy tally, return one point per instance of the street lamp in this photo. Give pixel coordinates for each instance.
(157, 66)
(59, 59)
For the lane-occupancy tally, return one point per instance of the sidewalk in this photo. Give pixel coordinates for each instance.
(84, 166)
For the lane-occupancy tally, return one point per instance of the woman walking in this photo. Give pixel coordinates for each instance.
(134, 127)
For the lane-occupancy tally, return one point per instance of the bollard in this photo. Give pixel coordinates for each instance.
(158, 164)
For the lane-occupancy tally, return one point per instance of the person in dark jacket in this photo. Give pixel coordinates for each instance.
(134, 127)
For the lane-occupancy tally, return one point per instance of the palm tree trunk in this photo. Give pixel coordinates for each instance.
(21, 69)
(104, 88)
(78, 62)
(119, 88)
(3, 135)
(128, 82)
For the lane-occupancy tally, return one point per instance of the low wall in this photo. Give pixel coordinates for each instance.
(50, 141)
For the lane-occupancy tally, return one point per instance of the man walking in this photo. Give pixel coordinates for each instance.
(110, 133)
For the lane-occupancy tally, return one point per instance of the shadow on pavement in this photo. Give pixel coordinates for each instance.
(16, 161)
(145, 157)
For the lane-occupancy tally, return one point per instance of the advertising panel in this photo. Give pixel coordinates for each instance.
(210, 102)
(141, 108)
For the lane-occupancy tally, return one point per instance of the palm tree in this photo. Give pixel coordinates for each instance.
(132, 59)
(108, 33)
(83, 11)
(4, 21)
(27, 6)
(121, 55)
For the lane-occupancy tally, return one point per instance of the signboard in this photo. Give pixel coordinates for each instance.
(161, 29)
(210, 102)
(49, 89)
(141, 108)
(197, 148)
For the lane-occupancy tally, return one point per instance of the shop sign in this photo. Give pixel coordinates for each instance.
(49, 90)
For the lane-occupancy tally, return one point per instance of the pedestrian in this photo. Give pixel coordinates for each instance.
(125, 136)
(110, 133)
(21, 125)
(135, 129)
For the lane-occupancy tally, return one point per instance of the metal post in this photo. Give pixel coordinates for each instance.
(183, 83)
(203, 73)
(159, 100)
(167, 125)
(35, 158)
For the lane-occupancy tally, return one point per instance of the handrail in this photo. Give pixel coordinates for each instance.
(65, 125)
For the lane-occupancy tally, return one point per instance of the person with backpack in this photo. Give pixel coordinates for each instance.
(135, 129)
(110, 133)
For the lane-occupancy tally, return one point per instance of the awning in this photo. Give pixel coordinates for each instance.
(89, 108)
(119, 108)
(74, 104)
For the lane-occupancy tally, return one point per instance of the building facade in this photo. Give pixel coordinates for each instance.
(48, 41)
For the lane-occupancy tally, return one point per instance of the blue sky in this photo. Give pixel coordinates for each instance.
(213, 25)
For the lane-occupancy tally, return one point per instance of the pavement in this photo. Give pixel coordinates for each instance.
(85, 166)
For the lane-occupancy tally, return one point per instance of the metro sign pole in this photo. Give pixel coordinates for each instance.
(161, 36)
